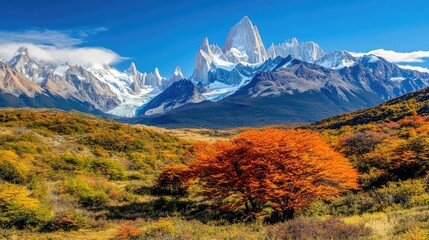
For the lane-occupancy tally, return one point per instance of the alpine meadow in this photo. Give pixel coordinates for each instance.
(245, 140)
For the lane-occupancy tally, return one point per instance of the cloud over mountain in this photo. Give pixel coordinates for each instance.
(51, 46)
(397, 57)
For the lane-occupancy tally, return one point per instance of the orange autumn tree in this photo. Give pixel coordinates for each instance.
(280, 170)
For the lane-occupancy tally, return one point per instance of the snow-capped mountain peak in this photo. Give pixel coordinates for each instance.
(371, 58)
(20, 56)
(306, 51)
(205, 46)
(22, 62)
(21, 51)
(132, 69)
(203, 60)
(177, 75)
(310, 51)
(244, 43)
(336, 60)
(291, 43)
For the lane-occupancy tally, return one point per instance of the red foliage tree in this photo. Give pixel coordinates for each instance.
(283, 170)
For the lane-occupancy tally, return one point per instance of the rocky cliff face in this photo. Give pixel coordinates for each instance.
(12, 82)
(90, 89)
(244, 44)
(178, 94)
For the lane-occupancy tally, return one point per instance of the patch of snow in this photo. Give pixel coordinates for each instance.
(130, 103)
(219, 90)
(219, 94)
(61, 70)
(219, 63)
(288, 64)
(397, 79)
(348, 63)
(373, 58)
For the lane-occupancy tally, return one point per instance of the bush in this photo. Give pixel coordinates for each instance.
(66, 161)
(416, 233)
(128, 231)
(11, 169)
(19, 210)
(144, 162)
(108, 168)
(66, 221)
(311, 228)
(174, 180)
(412, 226)
(90, 192)
(163, 228)
(403, 194)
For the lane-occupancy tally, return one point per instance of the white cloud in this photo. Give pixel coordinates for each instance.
(416, 68)
(84, 56)
(57, 47)
(396, 57)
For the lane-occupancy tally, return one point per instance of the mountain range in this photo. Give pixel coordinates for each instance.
(239, 84)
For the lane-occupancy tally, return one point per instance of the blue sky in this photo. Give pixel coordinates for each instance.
(168, 33)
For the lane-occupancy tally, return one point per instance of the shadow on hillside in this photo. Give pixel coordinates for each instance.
(163, 207)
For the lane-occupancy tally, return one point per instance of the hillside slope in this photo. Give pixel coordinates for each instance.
(392, 110)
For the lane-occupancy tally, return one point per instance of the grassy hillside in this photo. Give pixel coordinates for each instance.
(392, 110)
(69, 175)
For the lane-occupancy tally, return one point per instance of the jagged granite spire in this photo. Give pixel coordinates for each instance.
(244, 41)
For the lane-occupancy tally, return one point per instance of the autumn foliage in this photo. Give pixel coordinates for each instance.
(174, 180)
(279, 170)
(128, 231)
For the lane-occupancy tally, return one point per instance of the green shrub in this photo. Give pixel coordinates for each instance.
(90, 192)
(402, 194)
(66, 161)
(405, 193)
(108, 168)
(144, 162)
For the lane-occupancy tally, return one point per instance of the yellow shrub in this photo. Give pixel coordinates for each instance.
(18, 209)
(416, 233)
(163, 227)
(12, 169)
